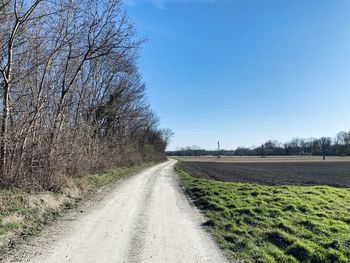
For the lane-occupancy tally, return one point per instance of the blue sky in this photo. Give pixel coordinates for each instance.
(245, 71)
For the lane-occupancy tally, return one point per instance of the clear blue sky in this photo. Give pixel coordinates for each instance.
(245, 71)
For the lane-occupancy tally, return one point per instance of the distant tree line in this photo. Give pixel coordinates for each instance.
(337, 146)
(72, 99)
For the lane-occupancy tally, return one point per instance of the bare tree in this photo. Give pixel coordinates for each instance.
(72, 98)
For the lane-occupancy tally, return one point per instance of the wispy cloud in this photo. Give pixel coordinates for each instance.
(163, 4)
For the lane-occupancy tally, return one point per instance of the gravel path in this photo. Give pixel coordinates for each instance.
(145, 218)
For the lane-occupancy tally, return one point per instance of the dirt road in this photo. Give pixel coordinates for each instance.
(146, 218)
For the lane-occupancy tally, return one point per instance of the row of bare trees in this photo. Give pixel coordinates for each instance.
(337, 146)
(72, 99)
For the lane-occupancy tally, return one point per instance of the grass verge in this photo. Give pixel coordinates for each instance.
(24, 213)
(259, 223)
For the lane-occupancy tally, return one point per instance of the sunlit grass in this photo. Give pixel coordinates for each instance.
(259, 223)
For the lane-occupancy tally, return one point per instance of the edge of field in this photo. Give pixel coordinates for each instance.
(259, 159)
(291, 227)
(24, 213)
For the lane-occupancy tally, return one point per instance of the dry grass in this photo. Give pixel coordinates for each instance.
(23, 213)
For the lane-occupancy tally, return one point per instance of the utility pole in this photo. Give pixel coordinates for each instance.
(218, 151)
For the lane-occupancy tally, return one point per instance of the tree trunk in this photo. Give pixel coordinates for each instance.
(4, 129)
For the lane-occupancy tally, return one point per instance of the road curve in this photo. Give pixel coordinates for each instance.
(146, 218)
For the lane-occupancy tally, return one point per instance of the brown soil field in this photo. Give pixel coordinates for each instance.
(273, 173)
(258, 159)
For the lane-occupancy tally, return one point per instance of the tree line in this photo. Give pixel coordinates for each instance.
(337, 146)
(72, 99)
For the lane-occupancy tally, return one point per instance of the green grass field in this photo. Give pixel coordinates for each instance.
(260, 223)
